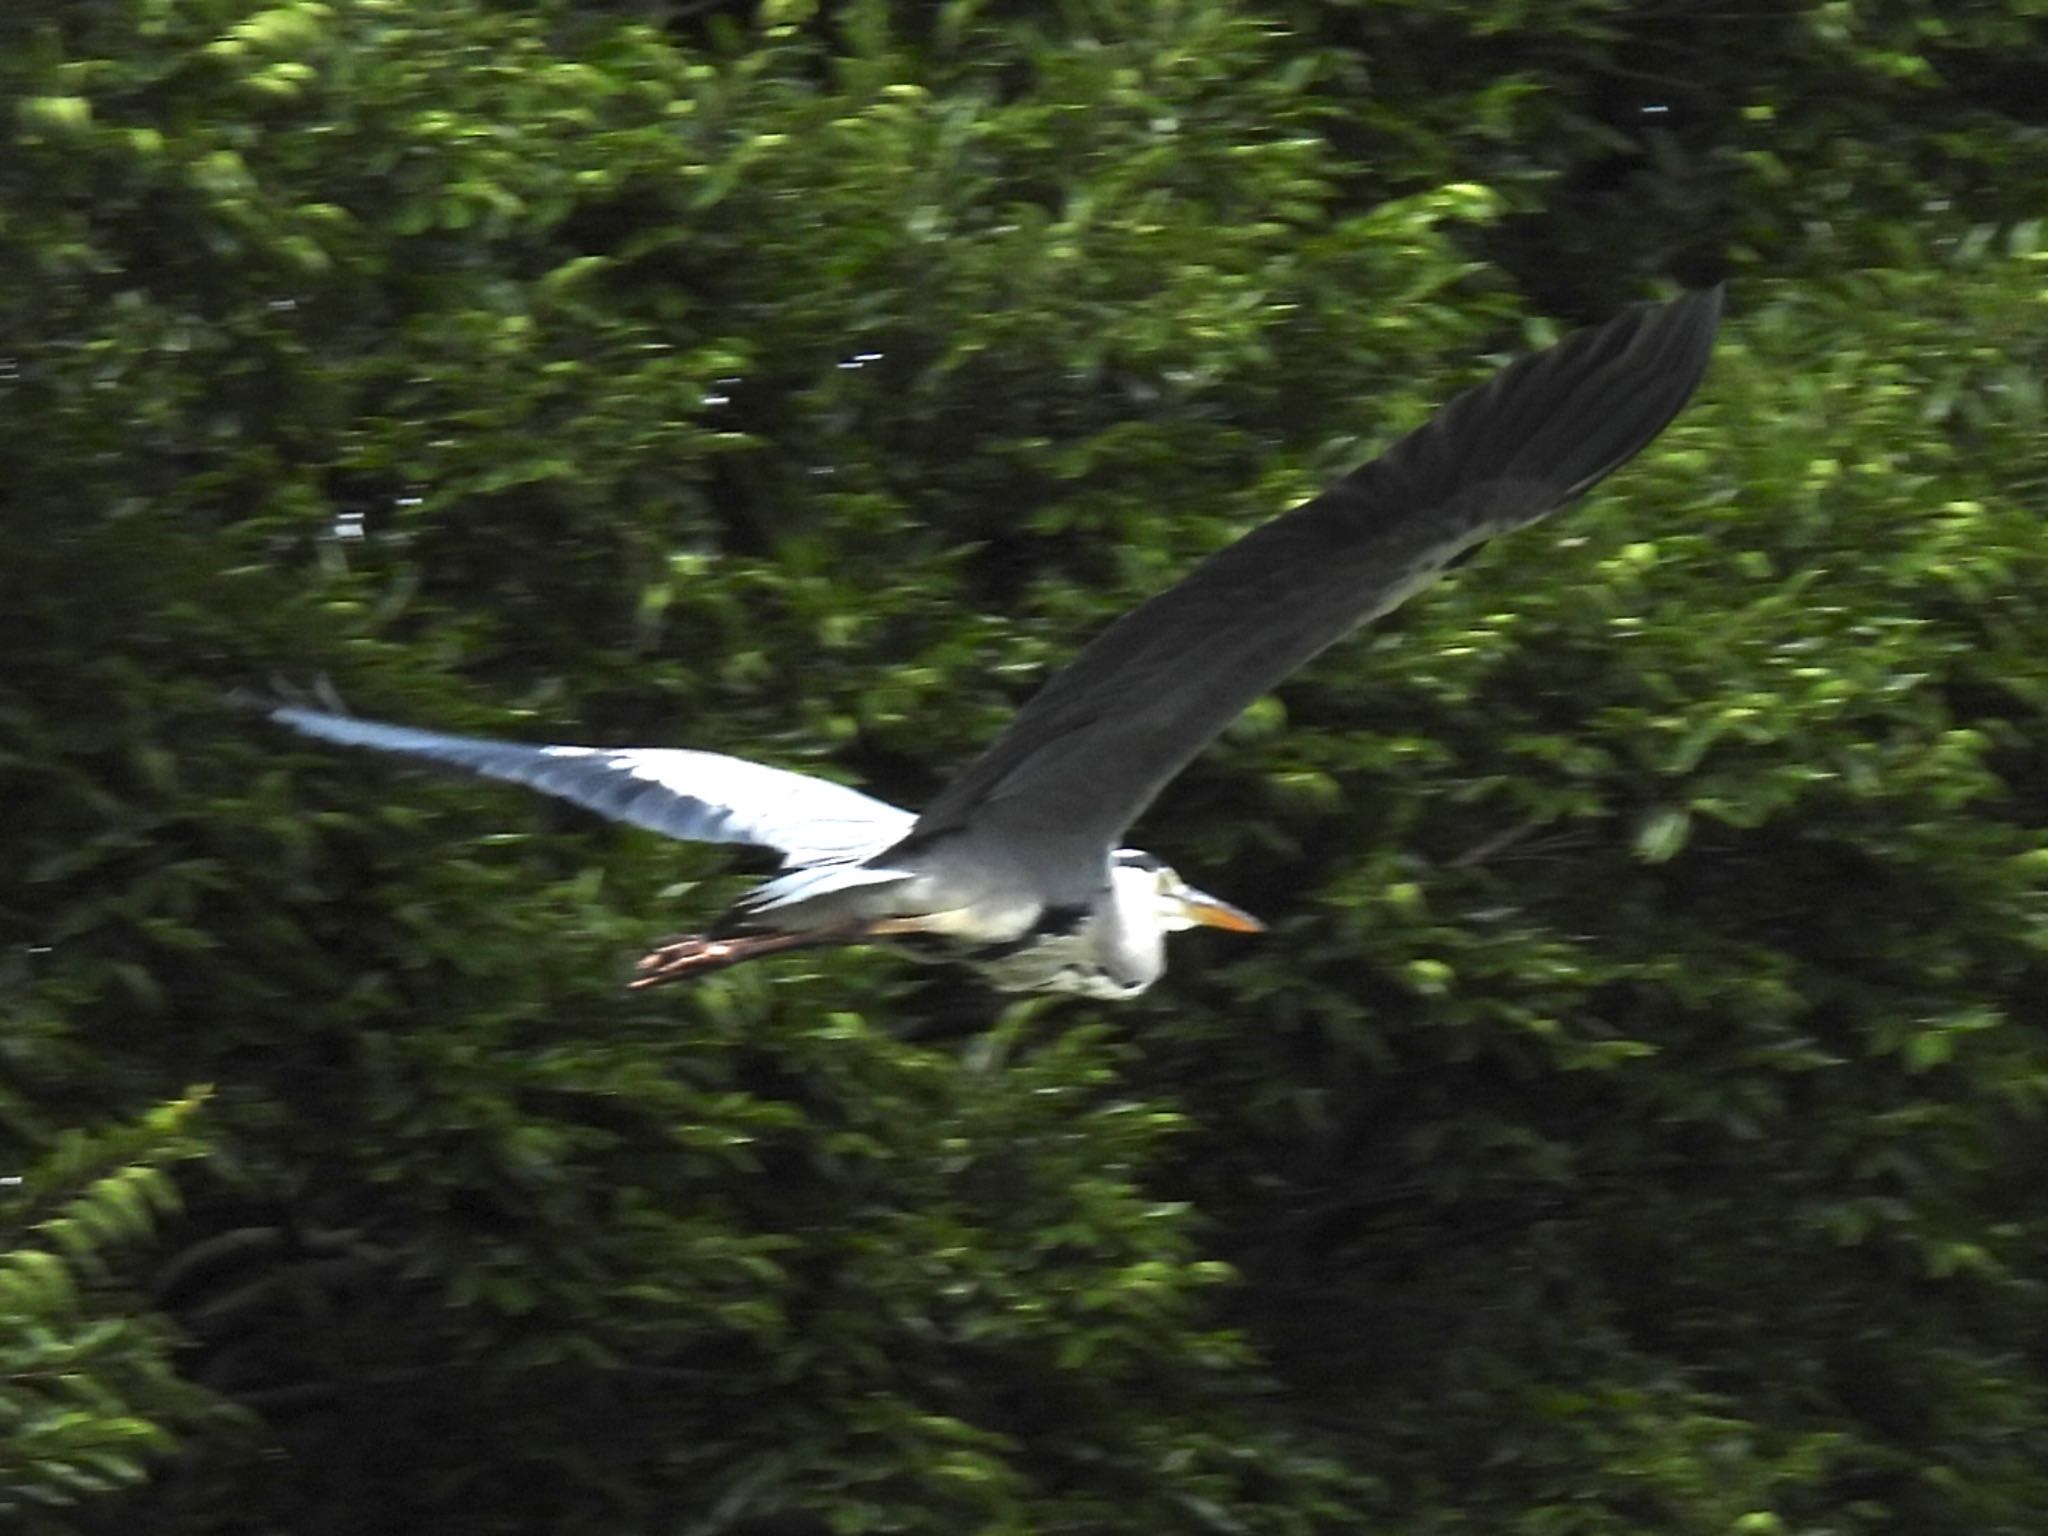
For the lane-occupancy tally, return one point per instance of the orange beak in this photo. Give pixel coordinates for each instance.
(1206, 910)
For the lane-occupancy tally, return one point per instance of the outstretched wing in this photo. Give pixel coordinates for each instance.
(1103, 737)
(699, 797)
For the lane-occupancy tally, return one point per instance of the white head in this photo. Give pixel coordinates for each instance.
(1142, 884)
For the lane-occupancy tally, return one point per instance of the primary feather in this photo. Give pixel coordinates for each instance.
(1099, 741)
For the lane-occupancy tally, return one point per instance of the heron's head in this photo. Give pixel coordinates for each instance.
(1179, 905)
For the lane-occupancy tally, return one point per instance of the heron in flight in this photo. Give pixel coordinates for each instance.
(1017, 867)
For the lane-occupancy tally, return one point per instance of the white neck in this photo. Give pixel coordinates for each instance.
(1129, 930)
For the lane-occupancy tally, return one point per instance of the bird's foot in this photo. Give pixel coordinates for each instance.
(691, 954)
(686, 955)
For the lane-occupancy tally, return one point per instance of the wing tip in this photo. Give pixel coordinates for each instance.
(1682, 330)
(287, 705)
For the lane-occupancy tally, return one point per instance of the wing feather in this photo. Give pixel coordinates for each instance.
(1085, 756)
(699, 797)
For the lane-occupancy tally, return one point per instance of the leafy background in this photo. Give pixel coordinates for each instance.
(1633, 1121)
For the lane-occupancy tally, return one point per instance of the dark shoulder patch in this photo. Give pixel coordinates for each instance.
(1059, 922)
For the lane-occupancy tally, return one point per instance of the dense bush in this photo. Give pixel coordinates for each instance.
(1629, 1124)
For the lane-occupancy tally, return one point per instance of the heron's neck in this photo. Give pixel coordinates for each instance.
(1129, 934)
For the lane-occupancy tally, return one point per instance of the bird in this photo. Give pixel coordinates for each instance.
(1018, 867)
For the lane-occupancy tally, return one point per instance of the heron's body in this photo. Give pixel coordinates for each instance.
(1110, 947)
(1015, 867)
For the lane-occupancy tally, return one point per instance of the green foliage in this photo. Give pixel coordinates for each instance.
(1627, 1126)
(90, 1393)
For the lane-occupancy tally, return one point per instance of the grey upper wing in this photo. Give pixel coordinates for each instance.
(1102, 738)
(696, 796)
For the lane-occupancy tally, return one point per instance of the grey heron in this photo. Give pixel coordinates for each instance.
(1017, 867)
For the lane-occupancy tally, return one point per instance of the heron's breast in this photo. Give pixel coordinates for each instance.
(1066, 961)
